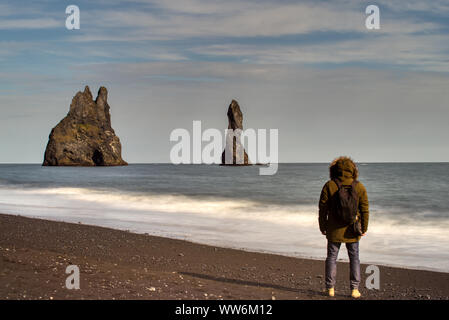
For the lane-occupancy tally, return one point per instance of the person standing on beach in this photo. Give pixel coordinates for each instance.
(341, 194)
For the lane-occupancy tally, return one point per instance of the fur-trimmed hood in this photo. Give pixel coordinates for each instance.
(343, 168)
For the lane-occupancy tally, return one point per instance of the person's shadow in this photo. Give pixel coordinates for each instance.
(253, 283)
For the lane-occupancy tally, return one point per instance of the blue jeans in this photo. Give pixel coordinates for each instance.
(331, 263)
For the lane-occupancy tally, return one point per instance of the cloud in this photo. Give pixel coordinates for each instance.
(19, 15)
(199, 18)
(248, 31)
(311, 32)
(429, 53)
(30, 23)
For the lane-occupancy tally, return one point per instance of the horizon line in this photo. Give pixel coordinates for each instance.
(257, 164)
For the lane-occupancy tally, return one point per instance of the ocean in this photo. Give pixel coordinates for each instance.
(235, 207)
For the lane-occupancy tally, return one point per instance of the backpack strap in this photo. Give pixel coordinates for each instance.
(338, 183)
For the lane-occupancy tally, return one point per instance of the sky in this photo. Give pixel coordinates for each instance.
(310, 69)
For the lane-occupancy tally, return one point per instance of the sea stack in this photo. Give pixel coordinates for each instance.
(85, 136)
(233, 144)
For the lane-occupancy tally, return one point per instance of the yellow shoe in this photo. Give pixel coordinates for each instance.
(355, 293)
(331, 292)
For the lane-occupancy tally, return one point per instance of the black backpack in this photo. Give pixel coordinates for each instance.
(347, 202)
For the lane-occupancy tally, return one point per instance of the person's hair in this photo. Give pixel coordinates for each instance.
(334, 171)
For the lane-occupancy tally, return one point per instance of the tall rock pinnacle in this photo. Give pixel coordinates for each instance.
(85, 136)
(233, 144)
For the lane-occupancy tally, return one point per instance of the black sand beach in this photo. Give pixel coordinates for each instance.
(116, 264)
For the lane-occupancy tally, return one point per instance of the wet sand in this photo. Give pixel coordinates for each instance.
(117, 264)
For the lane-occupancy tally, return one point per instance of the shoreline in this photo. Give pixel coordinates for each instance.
(118, 264)
(341, 256)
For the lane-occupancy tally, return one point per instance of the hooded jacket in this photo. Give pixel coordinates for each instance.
(345, 170)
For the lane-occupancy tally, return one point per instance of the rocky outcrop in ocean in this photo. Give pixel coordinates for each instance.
(233, 144)
(85, 136)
